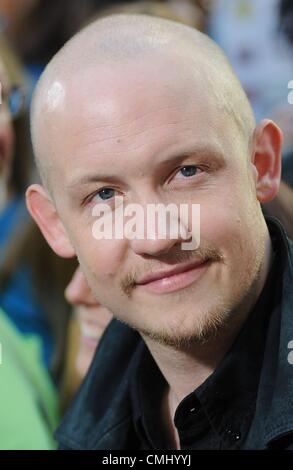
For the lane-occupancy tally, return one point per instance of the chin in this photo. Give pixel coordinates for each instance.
(187, 331)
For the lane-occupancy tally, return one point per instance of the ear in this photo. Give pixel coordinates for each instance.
(44, 213)
(267, 145)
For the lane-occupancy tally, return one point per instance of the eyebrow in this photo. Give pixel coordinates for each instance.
(210, 152)
(90, 179)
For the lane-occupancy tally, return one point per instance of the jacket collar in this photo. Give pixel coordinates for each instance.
(275, 393)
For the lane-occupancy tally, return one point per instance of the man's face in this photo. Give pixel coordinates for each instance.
(153, 136)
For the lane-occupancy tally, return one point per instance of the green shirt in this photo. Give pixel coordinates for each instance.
(28, 400)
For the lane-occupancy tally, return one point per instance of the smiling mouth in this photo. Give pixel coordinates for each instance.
(178, 278)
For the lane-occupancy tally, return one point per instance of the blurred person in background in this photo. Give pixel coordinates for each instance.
(32, 279)
(28, 401)
(249, 33)
(255, 35)
(15, 170)
(90, 321)
(257, 38)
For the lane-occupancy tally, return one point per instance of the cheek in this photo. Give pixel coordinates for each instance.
(227, 222)
(102, 259)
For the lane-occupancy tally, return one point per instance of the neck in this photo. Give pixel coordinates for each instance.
(186, 369)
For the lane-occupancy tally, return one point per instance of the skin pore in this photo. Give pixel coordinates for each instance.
(150, 110)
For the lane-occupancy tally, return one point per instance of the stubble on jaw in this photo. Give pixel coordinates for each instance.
(210, 324)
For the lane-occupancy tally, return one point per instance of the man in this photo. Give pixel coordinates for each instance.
(142, 110)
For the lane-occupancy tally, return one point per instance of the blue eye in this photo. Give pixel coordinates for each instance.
(188, 171)
(106, 193)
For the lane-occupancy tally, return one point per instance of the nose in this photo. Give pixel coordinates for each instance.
(156, 242)
(78, 292)
(158, 225)
(152, 247)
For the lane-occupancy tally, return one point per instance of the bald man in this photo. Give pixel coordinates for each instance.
(141, 111)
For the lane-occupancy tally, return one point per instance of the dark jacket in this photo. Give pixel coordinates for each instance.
(101, 414)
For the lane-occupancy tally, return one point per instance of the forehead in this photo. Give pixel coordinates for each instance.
(115, 116)
(105, 92)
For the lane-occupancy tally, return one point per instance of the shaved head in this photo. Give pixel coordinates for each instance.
(121, 41)
(147, 111)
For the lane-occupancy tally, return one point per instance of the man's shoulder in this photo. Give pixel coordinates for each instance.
(273, 421)
(100, 415)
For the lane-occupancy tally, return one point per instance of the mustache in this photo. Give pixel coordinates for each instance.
(202, 253)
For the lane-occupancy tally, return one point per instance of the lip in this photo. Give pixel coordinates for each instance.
(174, 279)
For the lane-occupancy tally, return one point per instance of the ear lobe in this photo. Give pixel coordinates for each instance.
(268, 140)
(46, 217)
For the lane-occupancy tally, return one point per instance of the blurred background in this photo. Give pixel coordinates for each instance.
(50, 324)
